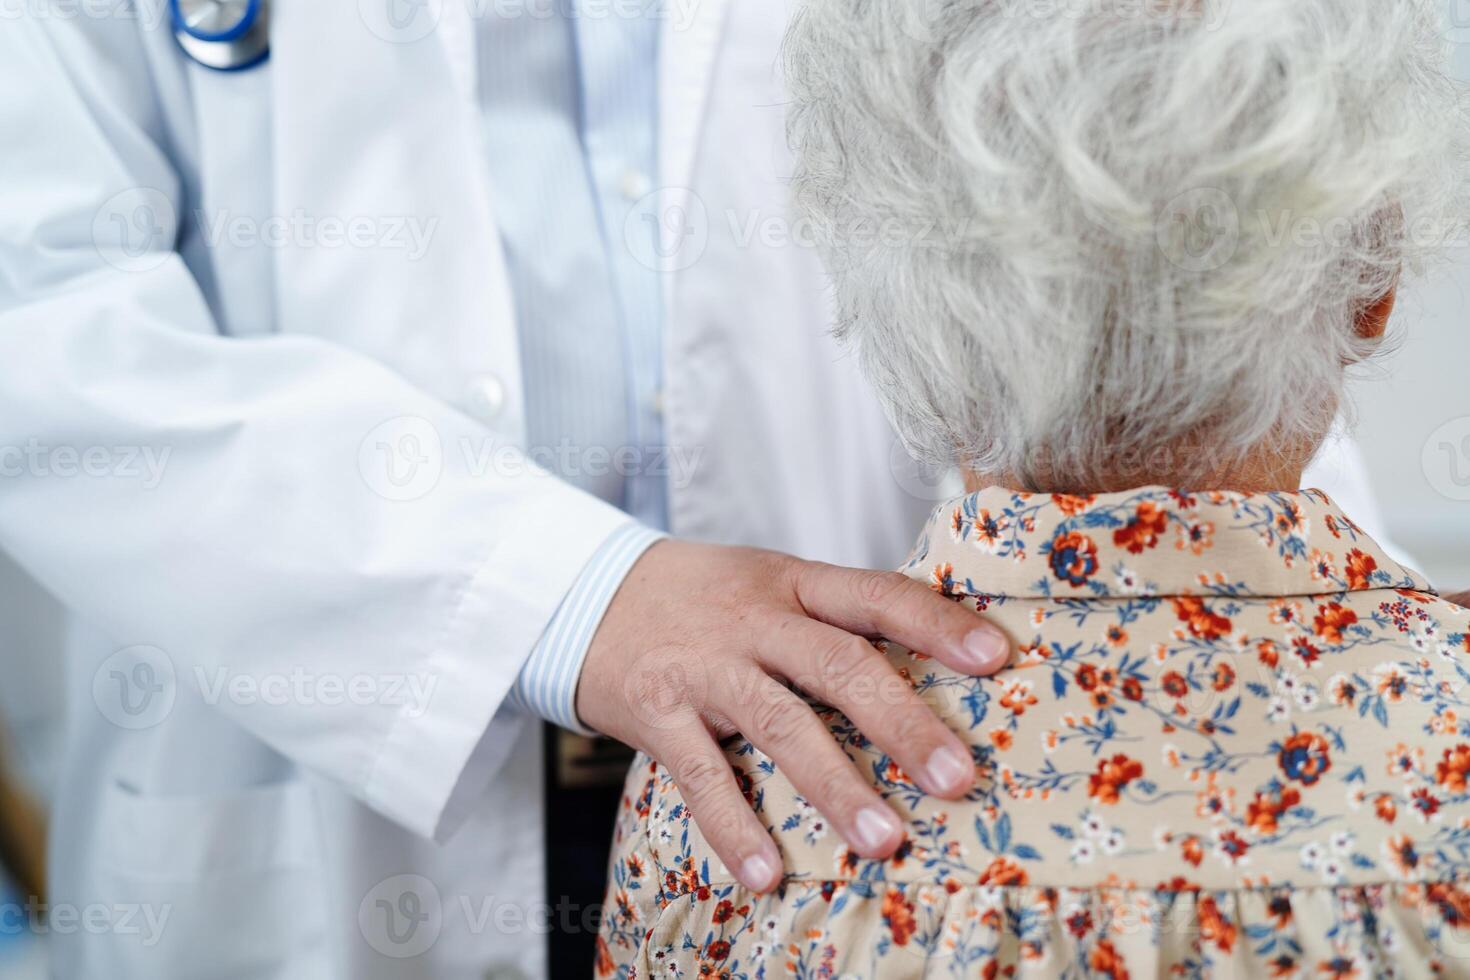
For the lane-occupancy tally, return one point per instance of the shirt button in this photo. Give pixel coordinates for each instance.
(659, 401)
(635, 185)
(487, 397)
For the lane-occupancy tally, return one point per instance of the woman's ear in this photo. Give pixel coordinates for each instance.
(1373, 320)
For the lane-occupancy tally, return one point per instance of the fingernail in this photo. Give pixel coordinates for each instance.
(986, 649)
(874, 827)
(759, 872)
(948, 770)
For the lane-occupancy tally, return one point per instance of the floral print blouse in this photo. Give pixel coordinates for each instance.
(1230, 743)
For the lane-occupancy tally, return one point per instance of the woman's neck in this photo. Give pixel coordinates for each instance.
(1251, 476)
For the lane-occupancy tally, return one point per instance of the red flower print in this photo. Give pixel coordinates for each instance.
(898, 916)
(1452, 768)
(1214, 927)
(1073, 557)
(1174, 684)
(1359, 568)
(605, 963)
(1176, 885)
(1402, 855)
(1424, 803)
(724, 910)
(1263, 813)
(1202, 623)
(1452, 903)
(1304, 758)
(1003, 871)
(1017, 697)
(1195, 537)
(1231, 847)
(1279, 909)
(988, 531)
(1224, 676)
(1143, 528)
(1289, 520)
(1133, 689)
(1385, 808)
(1305, 650)
(718, 950)
(1330, 621)
(1191, 850)
(1338, 968)
(1072, 504)
(1111, 776)
(1087, 677)
(1106, 962)
(1283, 966)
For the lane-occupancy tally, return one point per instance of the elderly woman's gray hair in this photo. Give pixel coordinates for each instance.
(1069, 233)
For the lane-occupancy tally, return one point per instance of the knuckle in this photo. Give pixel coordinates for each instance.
(835, 788)
(778, 719)
(722, 823)
(699, 776)
(656, 691)
(929, 618)
(913, 725)
(839, 658)
(880, 588)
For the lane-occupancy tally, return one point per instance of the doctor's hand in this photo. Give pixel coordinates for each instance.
(696, 645)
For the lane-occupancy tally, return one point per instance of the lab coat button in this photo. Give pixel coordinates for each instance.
(635, 185)
(659, 402)
(487, 396)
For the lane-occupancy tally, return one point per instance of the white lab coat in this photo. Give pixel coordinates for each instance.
(247, 836)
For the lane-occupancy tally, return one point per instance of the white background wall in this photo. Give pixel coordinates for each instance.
(1413, 423)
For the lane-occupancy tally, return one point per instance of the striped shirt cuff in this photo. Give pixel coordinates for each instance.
(547, 685)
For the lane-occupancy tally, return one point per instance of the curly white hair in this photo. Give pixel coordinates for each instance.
(1068, 233)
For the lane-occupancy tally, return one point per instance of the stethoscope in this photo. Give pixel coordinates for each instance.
(226, 35)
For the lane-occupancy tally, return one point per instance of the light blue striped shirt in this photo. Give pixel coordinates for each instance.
(569, 96)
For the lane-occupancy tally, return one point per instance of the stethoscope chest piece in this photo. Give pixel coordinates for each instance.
(226, 35)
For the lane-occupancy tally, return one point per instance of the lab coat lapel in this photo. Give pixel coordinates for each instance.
(376, 121)
(687, 50)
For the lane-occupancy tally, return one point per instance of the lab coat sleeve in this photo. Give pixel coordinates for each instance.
(226, 500)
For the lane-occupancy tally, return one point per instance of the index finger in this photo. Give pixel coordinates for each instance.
(897, 607)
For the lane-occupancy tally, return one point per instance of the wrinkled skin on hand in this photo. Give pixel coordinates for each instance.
(703, 641)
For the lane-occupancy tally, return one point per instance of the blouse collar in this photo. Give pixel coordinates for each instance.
(1153, 541)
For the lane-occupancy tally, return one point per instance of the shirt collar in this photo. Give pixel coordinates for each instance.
(1150, 541)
